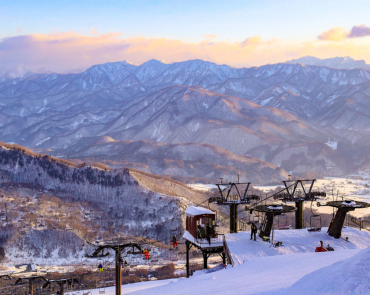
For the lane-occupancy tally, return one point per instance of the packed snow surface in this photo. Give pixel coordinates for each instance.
(350, 276)
(129, 288)
(192, 210)
(243, 249)
(291, 269)
(266, 274)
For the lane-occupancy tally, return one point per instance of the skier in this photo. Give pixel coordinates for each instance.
(100, 267)
(175, 243)
(253, 230)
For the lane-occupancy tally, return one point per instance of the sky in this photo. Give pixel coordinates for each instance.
(64, 35)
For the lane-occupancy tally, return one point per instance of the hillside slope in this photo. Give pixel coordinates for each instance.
(43, 196)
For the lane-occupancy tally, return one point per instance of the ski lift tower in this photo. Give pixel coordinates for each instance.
(336, 225)
(118, 246)
(61, 283)
(270, 212)
(233, 194)
(296, 192)
(30, 279)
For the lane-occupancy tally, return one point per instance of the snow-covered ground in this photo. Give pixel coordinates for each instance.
(243, 249)
(259, 276)
(291, 269)
(129, 288)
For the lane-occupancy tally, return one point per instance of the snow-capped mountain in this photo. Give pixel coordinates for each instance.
(345, 62)
(248, 111)
(17, 72)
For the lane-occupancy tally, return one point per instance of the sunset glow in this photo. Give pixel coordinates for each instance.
(82, 36)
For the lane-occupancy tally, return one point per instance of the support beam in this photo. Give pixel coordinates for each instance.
(233, 218)
(187, 259)
(299, 214)
(118, 273)
(30, 287)
(205, 260)
(335, 228)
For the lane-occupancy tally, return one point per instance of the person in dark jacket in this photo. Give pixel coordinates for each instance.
(253, 230)
(208, 233)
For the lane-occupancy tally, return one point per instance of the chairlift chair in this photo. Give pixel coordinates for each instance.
(131, 272)
(314, 228)
(174, 256)
(154, 256)
(284, 224)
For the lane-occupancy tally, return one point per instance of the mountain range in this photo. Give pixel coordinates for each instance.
(284, 118)
(345, 62)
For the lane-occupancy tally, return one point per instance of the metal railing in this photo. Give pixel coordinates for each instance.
(216, 241)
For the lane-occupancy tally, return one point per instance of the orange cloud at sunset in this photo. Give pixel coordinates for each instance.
(64, 51)
(339, 34)
(335, 34)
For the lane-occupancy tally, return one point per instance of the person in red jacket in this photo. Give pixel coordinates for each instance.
(175, 242)
(321, 248)
(146, 253)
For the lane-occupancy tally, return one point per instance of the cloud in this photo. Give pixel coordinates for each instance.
(93, 31)
(335, 34)
(209, 36)
(359, 31)
(250, 41)
(64, 51)
(339, 34)
(19, 29)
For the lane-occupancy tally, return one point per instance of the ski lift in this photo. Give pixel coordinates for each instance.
(174, 256)
(133, 265)
(283, 222)
(315, 218)
(133, 262)
(154, 257)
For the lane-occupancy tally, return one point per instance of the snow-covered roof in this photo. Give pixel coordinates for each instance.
(275, 208)
(350, 204)
(192, 210)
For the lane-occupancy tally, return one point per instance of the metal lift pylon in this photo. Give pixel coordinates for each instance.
(233, 200)
(118, 247)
